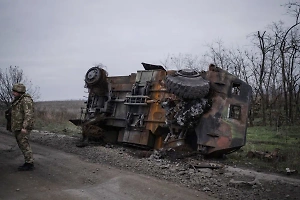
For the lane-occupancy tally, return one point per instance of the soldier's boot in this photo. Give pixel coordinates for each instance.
(83, 142)
(26, 167)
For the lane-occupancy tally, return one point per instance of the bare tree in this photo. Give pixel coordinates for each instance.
(271, 66)
(260, 70)
(11, 76)
(219, 55)
(289, 48)
(166, 62)
(183, 61)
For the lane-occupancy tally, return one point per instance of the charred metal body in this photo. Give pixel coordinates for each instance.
(155, 108)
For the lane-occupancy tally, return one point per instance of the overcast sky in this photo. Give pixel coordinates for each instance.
(56, 41)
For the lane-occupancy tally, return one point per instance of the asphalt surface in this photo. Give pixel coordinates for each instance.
(59, 175)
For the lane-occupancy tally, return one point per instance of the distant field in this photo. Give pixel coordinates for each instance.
(54, 116)
(72, 106)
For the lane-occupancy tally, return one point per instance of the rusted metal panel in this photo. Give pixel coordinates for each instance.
(141, 138)
(223, 127)
(157, 108)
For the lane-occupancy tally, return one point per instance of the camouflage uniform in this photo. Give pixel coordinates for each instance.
(22, 117)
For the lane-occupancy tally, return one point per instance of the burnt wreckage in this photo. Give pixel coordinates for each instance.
(154, 108)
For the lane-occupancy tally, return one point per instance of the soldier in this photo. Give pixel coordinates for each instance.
(22, 119)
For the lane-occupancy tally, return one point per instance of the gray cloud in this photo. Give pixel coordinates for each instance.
(56, 41)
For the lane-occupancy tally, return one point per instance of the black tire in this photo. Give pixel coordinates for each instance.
(187, 84)
(93, 76)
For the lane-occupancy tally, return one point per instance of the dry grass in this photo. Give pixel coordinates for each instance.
(54, 116)
(58, 111)
(266, 140)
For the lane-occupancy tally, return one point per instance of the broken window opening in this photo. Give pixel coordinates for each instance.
(234, 112)
(236, 89)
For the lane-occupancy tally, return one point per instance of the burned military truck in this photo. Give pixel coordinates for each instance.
(154, 108)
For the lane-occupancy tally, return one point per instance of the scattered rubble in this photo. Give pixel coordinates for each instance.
(273, 156)
(211, 176)
(241, 183)
(290, 171)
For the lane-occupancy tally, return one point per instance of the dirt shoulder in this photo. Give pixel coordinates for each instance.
(61, 175)
(224, 182)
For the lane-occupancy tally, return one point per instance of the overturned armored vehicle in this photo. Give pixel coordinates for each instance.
(154, 108)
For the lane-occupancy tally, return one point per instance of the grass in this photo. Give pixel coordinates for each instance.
(266, 140)
(53, 116)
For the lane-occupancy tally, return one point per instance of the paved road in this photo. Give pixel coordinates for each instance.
(59, 175)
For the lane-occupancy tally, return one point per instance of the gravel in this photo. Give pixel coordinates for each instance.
(220, 181)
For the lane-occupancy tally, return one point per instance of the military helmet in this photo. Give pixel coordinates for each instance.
(19, 88)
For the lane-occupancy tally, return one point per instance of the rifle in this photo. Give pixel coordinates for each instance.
(8, 119)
